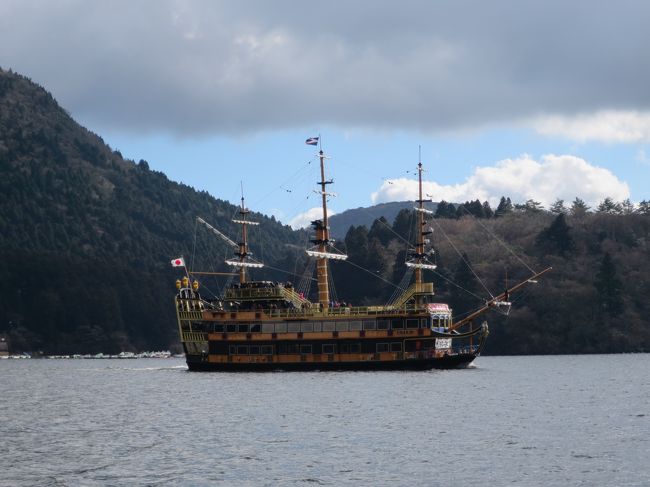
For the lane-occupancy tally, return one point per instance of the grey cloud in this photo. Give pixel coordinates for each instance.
(234, 67)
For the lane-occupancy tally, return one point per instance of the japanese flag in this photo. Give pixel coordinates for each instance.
(180, 262)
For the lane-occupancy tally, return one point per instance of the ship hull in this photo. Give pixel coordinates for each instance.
(459, 361)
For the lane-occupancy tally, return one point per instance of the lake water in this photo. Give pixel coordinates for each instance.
(523, 421)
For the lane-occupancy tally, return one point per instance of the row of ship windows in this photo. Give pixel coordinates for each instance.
(318, 326)
(325, 348)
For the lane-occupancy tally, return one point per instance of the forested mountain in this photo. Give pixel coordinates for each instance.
(86, 237)
(594, 300)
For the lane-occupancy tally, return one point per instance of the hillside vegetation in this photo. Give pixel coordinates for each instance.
(86, 239)
(594, 300)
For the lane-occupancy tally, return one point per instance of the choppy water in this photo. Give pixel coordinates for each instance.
(524, 421)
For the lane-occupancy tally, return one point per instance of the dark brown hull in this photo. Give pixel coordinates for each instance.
(446, 362)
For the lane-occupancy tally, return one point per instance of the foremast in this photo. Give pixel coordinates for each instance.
(242, 252)
(323, 248)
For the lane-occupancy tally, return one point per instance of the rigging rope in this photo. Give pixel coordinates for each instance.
(498, 240)
(306, 279)
(403, 284)
(461, 257)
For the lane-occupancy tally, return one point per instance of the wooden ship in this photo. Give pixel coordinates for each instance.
(262, 325)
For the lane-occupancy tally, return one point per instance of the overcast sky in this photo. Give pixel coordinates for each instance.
(540, 89)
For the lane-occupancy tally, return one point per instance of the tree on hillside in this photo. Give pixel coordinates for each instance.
(558, 207)
(608, 205)
(579, 207)
(627, 207)
(381, 230)
(403, 224)
(644, 208)
(487, 210)
(609, 287)
(557, 237)
(530, 206)
(445, 210)
(505, 207)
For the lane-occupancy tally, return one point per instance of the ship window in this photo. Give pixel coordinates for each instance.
(317, 326)
(382, 347)
(231, 328)
(341, 326)
(328, 348)
(396, 347)
(395, 324)
(267, 328)
(307, 327)
(242, 328)
(355, 325)
(293, 327)
(242, 350)
(304, 349)
(255, 350)
(382, 324)
(218, 328)
(328, 326)
(280, 327)
(233, 350)
(369, 325)
(266, 349)
(256, 327)
(344, 348)
(355, 347)
(412, 323)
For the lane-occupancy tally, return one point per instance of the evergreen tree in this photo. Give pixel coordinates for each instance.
(381, 230)
(403, 224)
(644, 208)
(557, 237)
(505, 207)
(608, 205)
(558, 207)
(487, 210)
(579, 207)
(609, 287)
(627, 207)
(445, 210)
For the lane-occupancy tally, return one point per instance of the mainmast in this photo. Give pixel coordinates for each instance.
(322, 249)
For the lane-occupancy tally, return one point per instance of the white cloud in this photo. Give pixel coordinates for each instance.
(303, 220)
(520, 179)
(602, 126)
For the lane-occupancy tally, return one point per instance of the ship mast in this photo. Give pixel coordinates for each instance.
(322, 234)
(322, 250)
(419, 260)
(243, 245)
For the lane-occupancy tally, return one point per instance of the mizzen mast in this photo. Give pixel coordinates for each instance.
(418, 259)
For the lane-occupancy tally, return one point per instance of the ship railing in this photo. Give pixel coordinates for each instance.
(314, 311)
(265, 292)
